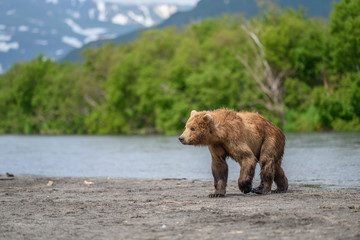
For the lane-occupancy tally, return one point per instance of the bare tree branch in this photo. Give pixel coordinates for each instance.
(90, 101)
(260, 70)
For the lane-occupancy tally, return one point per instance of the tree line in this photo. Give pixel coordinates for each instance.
(301, 73)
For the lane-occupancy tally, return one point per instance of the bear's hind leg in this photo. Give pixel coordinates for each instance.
(267, 173)
(280, 180)
(248, 165)
(270, 158)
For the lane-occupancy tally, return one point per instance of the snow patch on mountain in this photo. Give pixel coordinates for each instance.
(59, 52)
(35, 21)
(10, 12)
(72, 41)
(88, 32)
(4, 37)
(5, 47)
(41, 42)
(91, 13)
(52, 1)
(23, 28)
(148, 20)
(120, 19)
(148, 2)
(101, 7)
(165, 11)
(145, 19)
(73, 14)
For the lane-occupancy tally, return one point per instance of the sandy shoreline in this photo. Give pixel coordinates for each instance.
(170, 209)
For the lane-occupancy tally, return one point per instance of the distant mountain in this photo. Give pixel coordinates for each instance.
(214, 8)
(55, 27)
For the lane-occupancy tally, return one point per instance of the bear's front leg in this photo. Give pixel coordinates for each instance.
(219, 169)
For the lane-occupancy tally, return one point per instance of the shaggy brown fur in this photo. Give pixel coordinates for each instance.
(247, 138)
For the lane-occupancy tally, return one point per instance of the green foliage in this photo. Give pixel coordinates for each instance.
(41, 97)
(297, 44)
(304, 121)
(345, 31)
(298, 94)
(341, 105)
(152, 84)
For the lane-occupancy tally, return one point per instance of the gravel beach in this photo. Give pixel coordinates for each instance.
(83, 208)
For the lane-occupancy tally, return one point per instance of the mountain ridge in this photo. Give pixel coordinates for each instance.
(212, 8)
(53, 27)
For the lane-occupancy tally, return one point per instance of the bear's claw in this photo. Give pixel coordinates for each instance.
(278, 191)
(216, 195)
(257, 190)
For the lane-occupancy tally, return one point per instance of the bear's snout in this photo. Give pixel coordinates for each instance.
(181, 139)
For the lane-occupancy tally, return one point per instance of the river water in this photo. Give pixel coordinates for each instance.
(330, 160)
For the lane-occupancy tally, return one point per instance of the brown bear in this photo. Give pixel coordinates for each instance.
(247, 138)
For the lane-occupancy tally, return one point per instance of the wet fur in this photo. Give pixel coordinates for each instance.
(246, 137)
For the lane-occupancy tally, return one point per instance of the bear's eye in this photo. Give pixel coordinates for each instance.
(192, 129)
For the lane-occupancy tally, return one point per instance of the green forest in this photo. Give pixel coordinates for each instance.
(301, 73)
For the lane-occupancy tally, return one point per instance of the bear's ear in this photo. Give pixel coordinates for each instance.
(193, 112)
(208, 118)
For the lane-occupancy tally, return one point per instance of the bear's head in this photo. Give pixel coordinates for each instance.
(198, 129)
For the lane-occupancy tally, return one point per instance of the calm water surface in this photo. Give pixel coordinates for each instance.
(327, 159)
